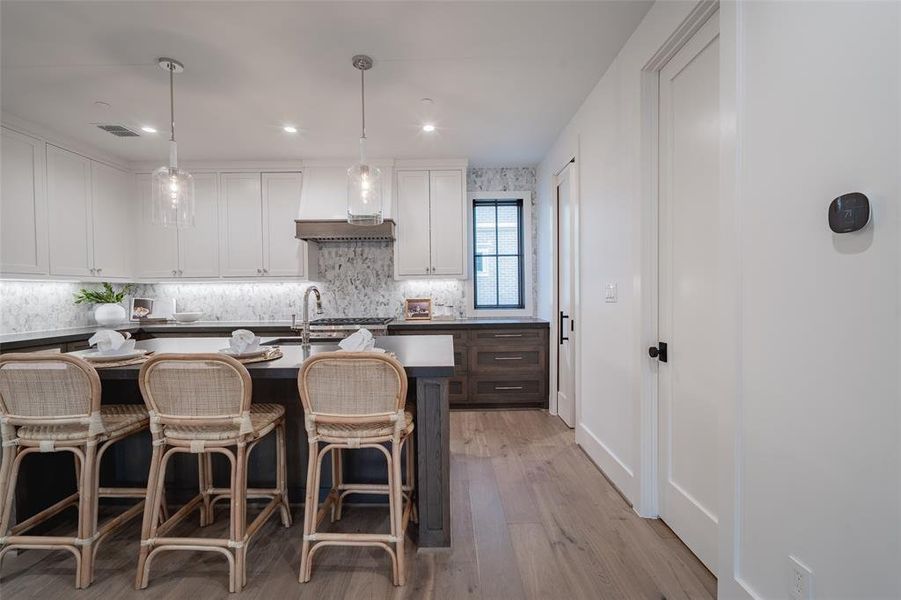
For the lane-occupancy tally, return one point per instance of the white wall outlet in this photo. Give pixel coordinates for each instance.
(800, 580)
(610, 292)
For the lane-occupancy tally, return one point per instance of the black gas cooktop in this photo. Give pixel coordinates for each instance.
(352, 321)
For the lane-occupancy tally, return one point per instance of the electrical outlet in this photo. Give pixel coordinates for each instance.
(800, 580)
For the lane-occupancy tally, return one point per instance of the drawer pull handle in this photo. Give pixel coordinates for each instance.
(507, 387)
(508, 358)
(497, 335)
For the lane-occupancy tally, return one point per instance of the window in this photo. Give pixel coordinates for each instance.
(498, 254)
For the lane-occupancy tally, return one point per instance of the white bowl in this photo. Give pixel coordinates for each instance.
(187, 317)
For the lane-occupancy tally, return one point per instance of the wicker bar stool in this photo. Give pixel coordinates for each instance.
(51, 403)
(356, 400)
(201, 404)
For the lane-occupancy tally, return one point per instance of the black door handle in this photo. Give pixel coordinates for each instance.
(659, 352)
(562, 337)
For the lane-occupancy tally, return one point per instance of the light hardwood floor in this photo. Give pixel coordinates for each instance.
(532, 518)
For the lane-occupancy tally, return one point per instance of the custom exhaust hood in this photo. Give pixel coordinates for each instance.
(323, 207)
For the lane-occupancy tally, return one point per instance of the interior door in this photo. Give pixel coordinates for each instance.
(687, 261)
(566, 360)
(283, 252)
(241, 225)
(112, 210)
(412, 252)
(71, 224)
(446, 218)
(198, 246)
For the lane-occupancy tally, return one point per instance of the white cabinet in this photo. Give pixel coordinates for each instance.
(23, 205)
(111, 208)
(431, 224)
(283, 254)
(167, 252)
(241, 225)
(70, 222)
(412, 244)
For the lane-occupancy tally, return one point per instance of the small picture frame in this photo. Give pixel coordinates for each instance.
(417, 309)
(140, 308)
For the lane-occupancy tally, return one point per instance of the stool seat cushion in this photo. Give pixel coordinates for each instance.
(117, 419)
(363, 430)
(262, 419)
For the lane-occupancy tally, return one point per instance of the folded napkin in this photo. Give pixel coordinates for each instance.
(243, 340)
(359, 341)
(109, 340)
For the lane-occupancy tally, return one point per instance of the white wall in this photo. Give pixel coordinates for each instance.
(819, 113)
(605, 134)
(811, 426)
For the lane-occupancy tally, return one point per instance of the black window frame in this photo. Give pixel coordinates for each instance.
(520, 253)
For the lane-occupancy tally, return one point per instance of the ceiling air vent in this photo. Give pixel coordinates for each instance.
(118, 130)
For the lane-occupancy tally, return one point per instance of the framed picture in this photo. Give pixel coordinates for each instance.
(417, 309)
(140, 308)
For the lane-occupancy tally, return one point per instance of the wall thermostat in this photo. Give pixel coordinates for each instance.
(849, 212)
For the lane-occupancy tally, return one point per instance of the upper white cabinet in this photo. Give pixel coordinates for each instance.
(431, 222)
(325, 190)
(23, 205)
(167, 252)
(111, 207)
(71, 224)
(241, 225)
(283, 254)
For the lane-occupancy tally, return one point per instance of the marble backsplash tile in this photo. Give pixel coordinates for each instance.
(356, 279)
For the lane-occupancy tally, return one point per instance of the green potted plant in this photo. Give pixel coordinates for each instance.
(108, 301)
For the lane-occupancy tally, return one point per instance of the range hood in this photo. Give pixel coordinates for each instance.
(334, 230)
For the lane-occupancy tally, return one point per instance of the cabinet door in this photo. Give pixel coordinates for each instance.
(198, 246)
(23, 204)
(241, 225)
(157, 254)
(283, 254)
(448, 231)
(411, 250)
(70, 222)
(111, 203)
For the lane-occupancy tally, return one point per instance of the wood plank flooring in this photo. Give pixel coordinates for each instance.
(532, 518)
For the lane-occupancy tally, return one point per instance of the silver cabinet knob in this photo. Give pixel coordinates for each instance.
(426, 269)
(433, 269)
(180, 272)
(265, 270)
(174, 272)
(98, 271)
(259, 271)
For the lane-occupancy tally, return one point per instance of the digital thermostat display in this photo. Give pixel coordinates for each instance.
(849, 212)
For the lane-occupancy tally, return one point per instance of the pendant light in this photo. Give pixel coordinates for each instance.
(364, 181)
(173, 188)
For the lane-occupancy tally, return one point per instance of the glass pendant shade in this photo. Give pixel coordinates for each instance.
(364, 194)
(172, 198)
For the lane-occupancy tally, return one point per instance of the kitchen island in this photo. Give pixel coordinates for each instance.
(428, 362)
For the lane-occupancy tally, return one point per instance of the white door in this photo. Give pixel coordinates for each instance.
(23, 205)
(447, 218)
(241, 225)
(689, 180)
(111, 203)
(283, 253)
(198, 246)
(566, 360)
(70, 222)
(157, 245)
(411, 252)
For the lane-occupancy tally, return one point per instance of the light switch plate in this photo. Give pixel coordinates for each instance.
(800, 580)
(610, 292)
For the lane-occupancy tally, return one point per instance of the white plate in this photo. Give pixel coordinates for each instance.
(96, 356)
(251, 354)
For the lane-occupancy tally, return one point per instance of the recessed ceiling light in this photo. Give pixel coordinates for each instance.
(290, 129)
(428, 128)
(148, 129)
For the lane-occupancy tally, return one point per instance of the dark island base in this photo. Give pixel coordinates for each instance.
(46, 478)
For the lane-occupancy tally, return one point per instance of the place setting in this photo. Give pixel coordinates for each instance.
(244, 346)
(110, 348)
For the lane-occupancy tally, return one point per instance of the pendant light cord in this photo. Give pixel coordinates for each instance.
(172, 102)
(363, 100)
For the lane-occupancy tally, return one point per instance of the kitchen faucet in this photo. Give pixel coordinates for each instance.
(305, 325)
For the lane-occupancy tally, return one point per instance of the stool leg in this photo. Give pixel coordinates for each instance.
(87, 512)
(309, 510)
(281, 470)
(239, 507)
(397, 505)
(152, 508)
(204, 476)
(6, 464)
(411, 477)
(337, 480)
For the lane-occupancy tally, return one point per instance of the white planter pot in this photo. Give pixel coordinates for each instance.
(109, 314)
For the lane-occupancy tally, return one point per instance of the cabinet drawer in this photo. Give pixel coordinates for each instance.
(507, 390)
(496, 359)
(528, 336)
(460, 336)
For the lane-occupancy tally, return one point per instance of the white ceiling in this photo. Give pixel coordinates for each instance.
(505, 76)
